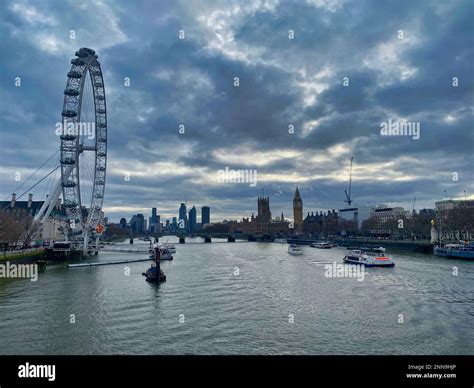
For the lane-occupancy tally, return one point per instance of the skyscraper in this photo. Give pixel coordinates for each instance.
(182, 213)
(153, 221)
(205, 215)
(137, 224)
(192, 219)
(297, 212)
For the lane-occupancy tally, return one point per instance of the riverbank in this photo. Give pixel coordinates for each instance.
(23, 254)
(407, 245)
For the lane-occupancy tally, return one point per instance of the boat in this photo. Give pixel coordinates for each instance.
(154, 274)
(165, 254)
(150, 275)
(373, 248)
(170, 247)
(368, 259)
(321, 245)
(455, 251)
(294, 249)
(280, 241)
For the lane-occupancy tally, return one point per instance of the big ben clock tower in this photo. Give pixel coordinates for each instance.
(298, 212)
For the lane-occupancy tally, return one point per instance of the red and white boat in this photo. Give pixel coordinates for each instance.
(368, 259)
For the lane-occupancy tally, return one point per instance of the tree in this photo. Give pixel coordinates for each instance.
(10, 229)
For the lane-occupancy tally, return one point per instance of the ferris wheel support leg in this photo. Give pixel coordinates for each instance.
(86, 242)
(48, 205)
(50, 202)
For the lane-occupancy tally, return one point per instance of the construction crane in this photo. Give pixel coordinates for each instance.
(348, 195)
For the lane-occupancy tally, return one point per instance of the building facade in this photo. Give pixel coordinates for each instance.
(454, 220)
(263, 209)
(261, 224)
(192, 220)
(53, 229)
(137, 224)
(205, 215)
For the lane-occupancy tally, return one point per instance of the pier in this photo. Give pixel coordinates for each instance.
(98, 263)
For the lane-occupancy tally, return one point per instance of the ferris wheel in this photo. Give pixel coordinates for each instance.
(83, 150)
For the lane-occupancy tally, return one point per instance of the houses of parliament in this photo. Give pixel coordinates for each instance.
(264, 224)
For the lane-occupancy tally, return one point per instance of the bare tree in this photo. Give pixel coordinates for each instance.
(10, 229)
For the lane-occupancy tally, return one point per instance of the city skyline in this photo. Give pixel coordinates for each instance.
(296, 116)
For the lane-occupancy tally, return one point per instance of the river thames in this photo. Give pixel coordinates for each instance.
(241, 298)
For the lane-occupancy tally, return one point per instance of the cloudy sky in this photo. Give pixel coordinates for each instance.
(333, 69)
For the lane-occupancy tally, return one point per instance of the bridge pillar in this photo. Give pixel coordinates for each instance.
(231, 239)
(207, 239)
(182, 240)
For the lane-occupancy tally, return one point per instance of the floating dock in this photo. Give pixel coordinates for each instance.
(97, 263)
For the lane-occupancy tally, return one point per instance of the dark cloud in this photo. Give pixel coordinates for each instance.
(282, 82)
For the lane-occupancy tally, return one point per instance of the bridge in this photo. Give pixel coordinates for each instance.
(245, 237)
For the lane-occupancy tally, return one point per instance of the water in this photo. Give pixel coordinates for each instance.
(245, 313)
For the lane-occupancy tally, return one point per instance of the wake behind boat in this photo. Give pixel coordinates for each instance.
(368, 259)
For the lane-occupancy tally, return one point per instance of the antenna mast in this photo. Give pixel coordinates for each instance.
(348, 196)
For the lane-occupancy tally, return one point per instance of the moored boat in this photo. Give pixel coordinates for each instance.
(294, 249)
(372, 248)
(165, 253)
(321, 245)
(280, 240)
(170, 247)
(455, 251)
(368, 259)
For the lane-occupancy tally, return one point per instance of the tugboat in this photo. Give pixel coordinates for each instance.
(369, 259)
(155, 274)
